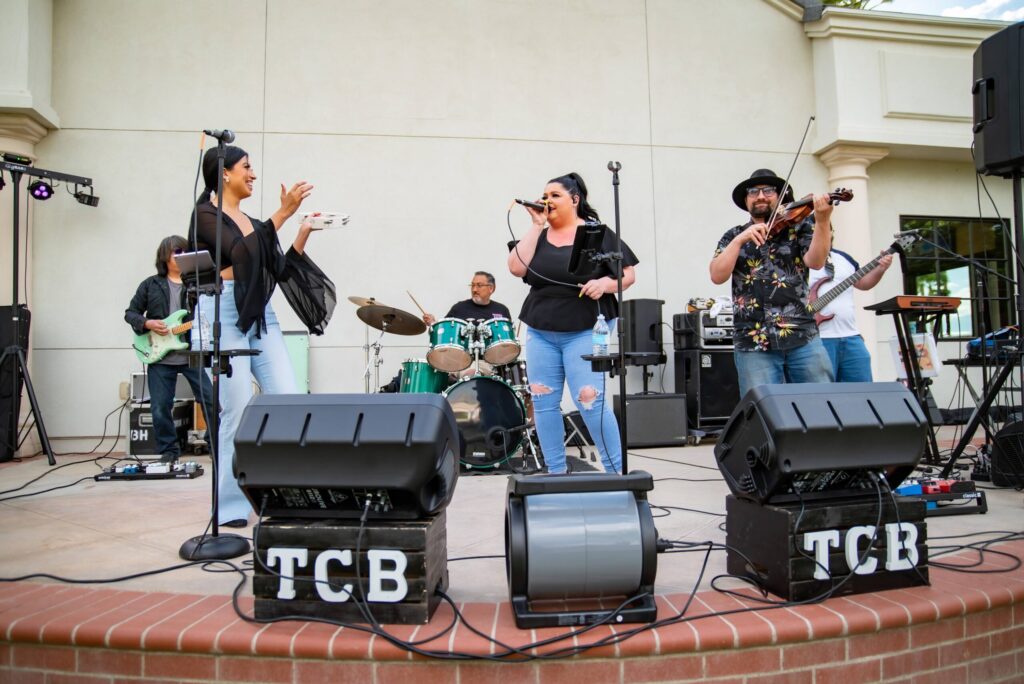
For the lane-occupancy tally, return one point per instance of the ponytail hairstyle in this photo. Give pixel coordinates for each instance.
(169, 246)
(232, 155)
(574, 185)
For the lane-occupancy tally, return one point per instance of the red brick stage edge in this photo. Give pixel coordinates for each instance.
(962, 628)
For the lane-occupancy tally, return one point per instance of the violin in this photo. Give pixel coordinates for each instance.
(793, 213)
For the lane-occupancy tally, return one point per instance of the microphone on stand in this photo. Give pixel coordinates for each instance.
(534, 205)
(225, 136)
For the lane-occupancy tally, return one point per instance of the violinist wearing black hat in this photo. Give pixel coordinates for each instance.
(775, 339)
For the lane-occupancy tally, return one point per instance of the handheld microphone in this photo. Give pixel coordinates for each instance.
(227, 137)
(533, 205)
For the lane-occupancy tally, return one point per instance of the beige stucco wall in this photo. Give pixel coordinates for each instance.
(421, 120)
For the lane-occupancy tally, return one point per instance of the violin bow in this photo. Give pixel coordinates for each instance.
(785, 185)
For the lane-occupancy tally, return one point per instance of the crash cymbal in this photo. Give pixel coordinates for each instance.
(363, 301)
(398, 322)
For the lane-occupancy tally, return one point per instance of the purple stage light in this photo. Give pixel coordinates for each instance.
(41, 190)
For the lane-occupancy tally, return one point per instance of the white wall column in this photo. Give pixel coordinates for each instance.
(848, 168)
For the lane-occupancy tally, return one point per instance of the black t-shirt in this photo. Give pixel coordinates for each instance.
(559, 308)
(467, 309)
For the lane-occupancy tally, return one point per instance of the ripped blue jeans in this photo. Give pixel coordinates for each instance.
(552, 359)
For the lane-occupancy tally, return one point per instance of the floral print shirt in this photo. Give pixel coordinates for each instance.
(769, 290)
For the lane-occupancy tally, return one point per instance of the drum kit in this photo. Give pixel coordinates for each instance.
(476, 366)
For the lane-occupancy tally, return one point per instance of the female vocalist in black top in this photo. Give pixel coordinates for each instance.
(561, 311)
(252, 266)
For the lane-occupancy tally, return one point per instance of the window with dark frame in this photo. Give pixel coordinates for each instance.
(932, 271)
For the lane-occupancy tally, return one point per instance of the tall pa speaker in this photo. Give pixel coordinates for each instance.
(998, 93)
(10, 397)
(337, 455)
(641, 325)
(708, 379)
(814, 441)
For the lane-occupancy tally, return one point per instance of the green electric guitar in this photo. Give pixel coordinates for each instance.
(150, 347)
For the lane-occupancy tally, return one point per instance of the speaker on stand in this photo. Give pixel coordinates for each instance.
(998, 91)
(10, 399)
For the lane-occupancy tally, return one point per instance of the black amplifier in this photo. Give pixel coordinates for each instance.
(701, 330)
(142, 438)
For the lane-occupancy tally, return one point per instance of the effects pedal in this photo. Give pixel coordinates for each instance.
(946, 497)
(153, 471)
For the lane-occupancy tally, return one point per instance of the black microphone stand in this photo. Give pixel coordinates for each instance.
(611, 364)
(216, 546)
(615, 167)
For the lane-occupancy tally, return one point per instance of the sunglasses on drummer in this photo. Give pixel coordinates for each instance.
(474, 286)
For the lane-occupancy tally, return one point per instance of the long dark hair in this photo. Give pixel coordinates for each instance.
(168, 247)
(232, 155)
(574, 185)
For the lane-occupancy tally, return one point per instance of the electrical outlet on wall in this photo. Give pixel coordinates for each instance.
(122, 391)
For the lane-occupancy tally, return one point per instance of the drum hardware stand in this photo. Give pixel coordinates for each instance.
(377, 360)
(19, 363)
(1013, 357)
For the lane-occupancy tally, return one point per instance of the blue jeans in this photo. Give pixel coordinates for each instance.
(272, 369)
(851, 361)
(162, 380)
(552, 358)
(806, 363)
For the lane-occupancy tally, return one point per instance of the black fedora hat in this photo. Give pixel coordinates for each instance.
(759, 177)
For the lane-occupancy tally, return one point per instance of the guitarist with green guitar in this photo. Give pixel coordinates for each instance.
(831, 301)
(161, 321)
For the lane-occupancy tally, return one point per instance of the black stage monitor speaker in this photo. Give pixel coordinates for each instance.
(654, 420)
(998, 93)
(1008, 456)
(641, 325)
(325, 455)
(708, 379)
(10, 398)
(787, 443)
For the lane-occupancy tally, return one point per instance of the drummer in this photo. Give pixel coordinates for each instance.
(479, 306)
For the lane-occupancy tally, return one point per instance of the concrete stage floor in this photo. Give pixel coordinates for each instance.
(100, 530)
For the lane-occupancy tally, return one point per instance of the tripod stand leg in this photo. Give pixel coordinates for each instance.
(44, 440)
(20, 369)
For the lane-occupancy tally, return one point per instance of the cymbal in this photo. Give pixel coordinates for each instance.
(398, 322)
(363, 301)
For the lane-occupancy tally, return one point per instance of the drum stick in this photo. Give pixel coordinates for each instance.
(416, 303)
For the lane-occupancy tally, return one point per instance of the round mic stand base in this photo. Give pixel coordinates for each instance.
(210, 547)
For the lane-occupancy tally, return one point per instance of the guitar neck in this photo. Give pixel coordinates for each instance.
(824, 300)
(184, 327)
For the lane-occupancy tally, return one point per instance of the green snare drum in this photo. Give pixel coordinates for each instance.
(449, 345)
(500, 341)
(418, 376)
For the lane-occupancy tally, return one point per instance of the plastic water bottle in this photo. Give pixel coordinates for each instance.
(600, 336)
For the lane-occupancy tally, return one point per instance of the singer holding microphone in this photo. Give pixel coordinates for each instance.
(252, 266)
(560, 312)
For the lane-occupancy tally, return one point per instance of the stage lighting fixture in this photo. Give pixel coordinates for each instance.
(589, 537)
(17, 159)
(41, 190)
(88, 199)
